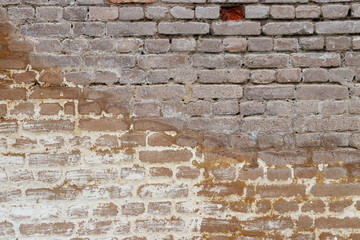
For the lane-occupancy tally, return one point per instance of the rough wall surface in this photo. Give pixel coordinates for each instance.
(161, 120)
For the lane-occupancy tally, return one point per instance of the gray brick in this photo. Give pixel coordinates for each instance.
(3, 14)
(49, 13)
(48, 45)
(236, 28)
(75, 13)
(160, 92)
(288, 28)
(40, 61)
(157, 45)
(207, 12)
(132, 77)
(49, 2)
(216, 61)
(89, 28)
(129, 45)
(257, 12)
(131, 13)
(90, 2)
(338, 27)
(105, 77)
(270, 92)
(45, 29)
(163, 61)
(267, 60)
(17, 14)
(131, 29)
(110, 61)
(183, 28)
(103, 13)
(183, 44)
(182, 12)
(225, 125)
(156, 12)
(103, 44)
(74, 45)
(9, 2)
(321, 92)
(217, 91)
(209, 45)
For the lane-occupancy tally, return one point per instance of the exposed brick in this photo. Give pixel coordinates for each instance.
(158, 225)
(165, 156)
(283, 157)
(189, 28)
(59, 228)
(279, 174)
(103, 125)
(334, 11)
(266, 60)
(236, 28)
(335, 190)
(162, 190)
(317, 92)
(288, 28)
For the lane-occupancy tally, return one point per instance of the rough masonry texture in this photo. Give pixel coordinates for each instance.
(160, 120)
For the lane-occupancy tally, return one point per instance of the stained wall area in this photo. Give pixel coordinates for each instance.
(178, 120)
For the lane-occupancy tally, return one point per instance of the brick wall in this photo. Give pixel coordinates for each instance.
(160, 120)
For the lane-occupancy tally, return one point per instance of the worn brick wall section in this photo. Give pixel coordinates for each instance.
(158, 120)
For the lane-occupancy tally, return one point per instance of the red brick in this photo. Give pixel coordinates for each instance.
(343, 155)
(160, 139)
(220, 189)
(333, 222)
(284, 206)
(283, 157)
(51, 77)
(305, 172)
(316, 206)
(279, 174)
(288, 190)
(339, 206)
(12, 93)
(336, 190)
(215, 225)
(50, 108)
(251, 173)
(160, 172)
(166, 156)
(55, 93)
(3, 110)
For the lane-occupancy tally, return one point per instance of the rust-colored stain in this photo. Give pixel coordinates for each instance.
(232, 13)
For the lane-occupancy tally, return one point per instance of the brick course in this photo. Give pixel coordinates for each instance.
(142, 119)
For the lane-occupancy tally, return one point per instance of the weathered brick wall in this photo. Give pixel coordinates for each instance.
(161, 120)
